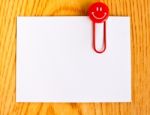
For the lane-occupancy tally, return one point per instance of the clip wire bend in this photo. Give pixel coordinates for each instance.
(104, 39)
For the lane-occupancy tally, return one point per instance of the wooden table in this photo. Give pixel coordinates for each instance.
(138, 10)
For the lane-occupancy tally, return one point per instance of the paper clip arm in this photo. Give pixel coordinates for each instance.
(104, 39)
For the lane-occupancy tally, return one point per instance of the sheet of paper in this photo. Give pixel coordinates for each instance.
(56, 62)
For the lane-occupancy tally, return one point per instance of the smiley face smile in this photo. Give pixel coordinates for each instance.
(99, 18)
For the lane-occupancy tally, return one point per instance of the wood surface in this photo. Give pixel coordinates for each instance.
(138, 10)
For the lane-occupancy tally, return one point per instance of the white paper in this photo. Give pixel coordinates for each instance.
(56, 61)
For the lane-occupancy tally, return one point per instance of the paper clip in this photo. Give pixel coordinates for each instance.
(98, 13)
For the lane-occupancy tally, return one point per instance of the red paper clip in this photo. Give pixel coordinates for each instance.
(98, 13)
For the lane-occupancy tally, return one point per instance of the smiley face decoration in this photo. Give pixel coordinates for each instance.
(98, 13)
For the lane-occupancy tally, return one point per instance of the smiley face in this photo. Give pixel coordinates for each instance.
(98, 12)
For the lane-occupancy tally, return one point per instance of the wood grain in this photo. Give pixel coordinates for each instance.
(138, 10)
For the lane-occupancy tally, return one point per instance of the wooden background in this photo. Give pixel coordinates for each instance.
(139, 10)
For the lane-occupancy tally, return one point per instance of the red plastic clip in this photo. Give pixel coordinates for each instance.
(98, 13)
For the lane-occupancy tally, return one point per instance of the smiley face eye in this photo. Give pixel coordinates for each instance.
(100, 9)
(97, 8)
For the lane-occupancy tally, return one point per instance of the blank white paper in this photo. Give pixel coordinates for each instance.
(56, 61)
